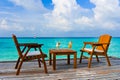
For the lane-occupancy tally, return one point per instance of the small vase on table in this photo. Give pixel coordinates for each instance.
(70, 45)
(57, 45)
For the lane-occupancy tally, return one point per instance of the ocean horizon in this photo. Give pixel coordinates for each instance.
(8, 50)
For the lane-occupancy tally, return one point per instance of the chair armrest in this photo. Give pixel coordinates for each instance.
(30, 44)
(99, 44)
(104, 43)
(88, 43)
(85, 43)
(95, 43)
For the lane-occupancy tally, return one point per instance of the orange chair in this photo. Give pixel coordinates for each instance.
(99, 48)
(26, 55)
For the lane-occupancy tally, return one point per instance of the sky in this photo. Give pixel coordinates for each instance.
(59, 18)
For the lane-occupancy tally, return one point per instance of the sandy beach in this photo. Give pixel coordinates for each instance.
(31, 71)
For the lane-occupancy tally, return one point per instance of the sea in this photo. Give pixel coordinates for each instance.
(8, 51)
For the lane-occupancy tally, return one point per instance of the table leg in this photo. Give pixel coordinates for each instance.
(54, 61)
(68, 60)
(50, 59)
(75, 60)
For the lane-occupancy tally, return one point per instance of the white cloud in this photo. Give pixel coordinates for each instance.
(106, 9)
(84, 21)
(66, 16)
(63, 15)
(30, 4)
(5, 25)
(106, 13)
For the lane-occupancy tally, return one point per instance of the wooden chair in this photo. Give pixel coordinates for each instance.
(26, 55)
(99, 48)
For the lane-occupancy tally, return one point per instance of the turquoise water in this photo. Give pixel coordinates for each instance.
(8, 51)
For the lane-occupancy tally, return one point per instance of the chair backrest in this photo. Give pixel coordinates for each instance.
(106, 38)
(17, 45)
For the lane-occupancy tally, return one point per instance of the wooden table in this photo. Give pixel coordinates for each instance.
(68, 52)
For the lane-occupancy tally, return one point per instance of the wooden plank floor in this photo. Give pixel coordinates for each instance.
(31, 71)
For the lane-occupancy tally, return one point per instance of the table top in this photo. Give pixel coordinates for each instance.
(62, 51)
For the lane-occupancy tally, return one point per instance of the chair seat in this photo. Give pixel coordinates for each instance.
(90, 50)
(35, 53)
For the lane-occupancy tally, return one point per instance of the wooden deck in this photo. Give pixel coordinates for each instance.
(31, 71)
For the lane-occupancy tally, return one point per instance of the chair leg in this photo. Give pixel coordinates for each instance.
(97, 58)
(44, 63)
(16, 66)
(45, 67)
(39, 62)
(89, 61)
(108, 61)
(19, 67)
(81, 58)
